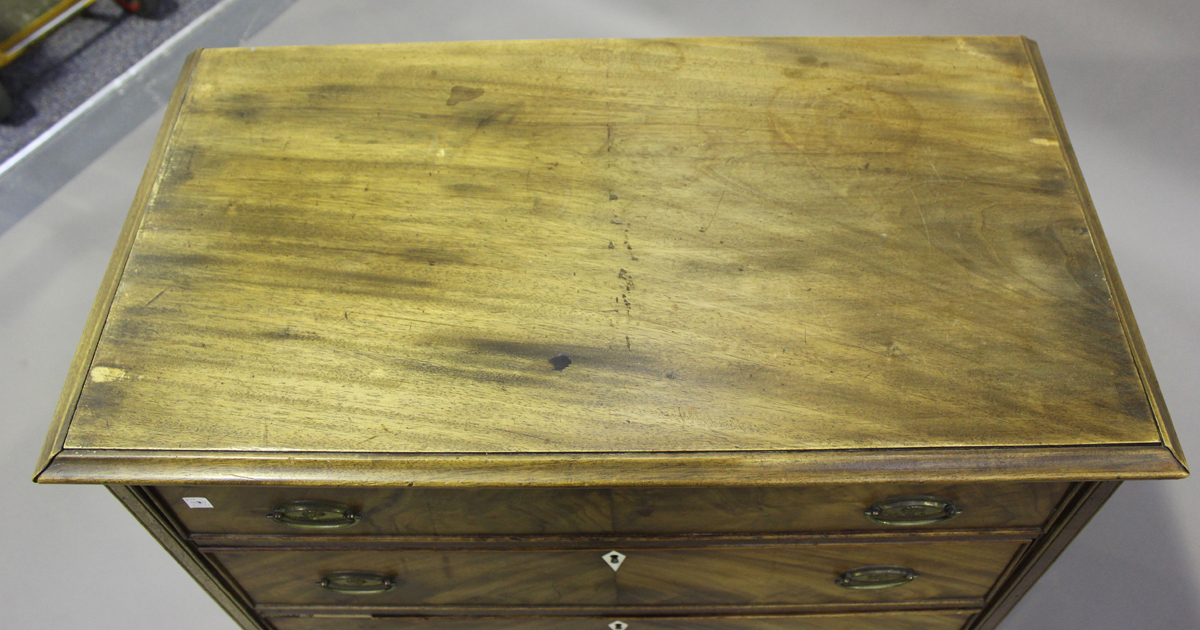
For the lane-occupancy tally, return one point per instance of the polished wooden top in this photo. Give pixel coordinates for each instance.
(567, 249)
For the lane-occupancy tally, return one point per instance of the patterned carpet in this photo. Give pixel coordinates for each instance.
(65, 69)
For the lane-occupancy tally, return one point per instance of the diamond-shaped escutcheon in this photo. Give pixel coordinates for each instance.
(614, 559)
(618, 625)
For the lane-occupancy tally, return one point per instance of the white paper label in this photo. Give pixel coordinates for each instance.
(197, 502)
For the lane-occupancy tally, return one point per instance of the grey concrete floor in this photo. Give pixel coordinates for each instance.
(1126, 79)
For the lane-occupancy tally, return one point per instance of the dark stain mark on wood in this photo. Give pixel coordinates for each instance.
(288, 333)
(180, 170)
(461, 93)
(560, 362)
(486, 120)
(471, 189)
(802, 65)
(242, 106)
(490, 354)
(1053, 185)
(338, 88)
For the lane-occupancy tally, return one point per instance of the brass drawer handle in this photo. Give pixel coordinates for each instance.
(876, 577)
(314, 514)
(909, 511)
(356, 582)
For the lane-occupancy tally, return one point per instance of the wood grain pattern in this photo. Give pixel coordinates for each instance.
(613, 469)
(98, 316)
(948, 620)
(701, 575)
(380, 250)
(823, 508)
(1124, 309)
(396, 511)
(482, 511)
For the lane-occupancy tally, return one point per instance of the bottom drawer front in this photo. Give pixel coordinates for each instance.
(792, 574)
(947, 620)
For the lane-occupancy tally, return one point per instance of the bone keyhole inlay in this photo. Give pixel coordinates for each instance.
(614, 559)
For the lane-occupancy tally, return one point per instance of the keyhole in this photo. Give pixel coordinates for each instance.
(618, 625)
(614, 559)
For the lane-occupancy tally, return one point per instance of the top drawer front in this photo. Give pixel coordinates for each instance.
(514, 511)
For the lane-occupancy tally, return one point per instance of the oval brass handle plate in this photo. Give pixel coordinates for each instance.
(314, 514)
(910, 511)
(356, 582)
(876, 577)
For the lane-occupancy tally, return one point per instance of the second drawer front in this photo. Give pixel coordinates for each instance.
(800, 574)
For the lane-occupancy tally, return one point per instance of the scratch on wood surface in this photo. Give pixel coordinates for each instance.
(607, 146)
(419, 321)
(923, 223)
(747, 190)
(361, 442)
(714, 214)
(845, 344)
(160, 293)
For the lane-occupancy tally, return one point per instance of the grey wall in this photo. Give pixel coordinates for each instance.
(1126, 79)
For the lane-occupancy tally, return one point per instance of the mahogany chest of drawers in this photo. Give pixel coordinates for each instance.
(734, 333)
